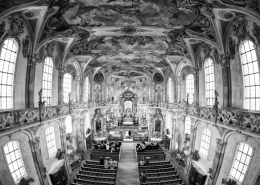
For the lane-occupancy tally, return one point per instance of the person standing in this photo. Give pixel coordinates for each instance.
(101, 161)
(129, 133)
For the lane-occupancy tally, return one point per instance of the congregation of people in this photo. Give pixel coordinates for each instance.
(141, 147)
(110, 146)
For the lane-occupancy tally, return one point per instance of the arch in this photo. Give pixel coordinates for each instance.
(7, 65)
(251, 77)
(182, 64)
(72, 66)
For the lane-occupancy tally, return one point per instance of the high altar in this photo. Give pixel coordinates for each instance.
(128, 108)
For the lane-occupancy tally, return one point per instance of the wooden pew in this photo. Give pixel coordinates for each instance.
(102, 150)
(93, 182)
(150, 153)
(157, 157)
(97, 166)
(162, 173)
(158, 150)
(151, 163)
(106, 153)
(97, 173)
(155, 166)
(98, 170)
(157, 170)
(164, 182)
(114, 138)
(96, 178)
(140, 138)
(97, 156)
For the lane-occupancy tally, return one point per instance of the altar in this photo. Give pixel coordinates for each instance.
(128, 123)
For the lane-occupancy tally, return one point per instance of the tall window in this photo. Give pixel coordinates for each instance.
(190, 88)
(47, 80)
(86, 89)
(68, 125)
(66, 87)
(170, 89)
(240, 165)
(205, 141)
(251, 75)
(210, 82)
(187, 125)
(8, 56)
(14, 160)
(50, 139)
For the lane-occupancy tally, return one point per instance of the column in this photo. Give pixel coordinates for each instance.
(196, 86)
(177, 89)
(38, 160)
(217, 161)
(30, 78)
(60, 87)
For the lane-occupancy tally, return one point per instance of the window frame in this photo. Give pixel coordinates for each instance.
(70, 124)
(242, 70)
(202, 133)
(186, 79)
(48, 141)
(185, 123)
(24, 164)
(51, 78)
(64, 88)
(234, 158)
(170, 90)
(87, 93)
(15, 66)
(205, 82)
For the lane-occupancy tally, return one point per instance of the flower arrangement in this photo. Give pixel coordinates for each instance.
(195, 155)
(228, 182)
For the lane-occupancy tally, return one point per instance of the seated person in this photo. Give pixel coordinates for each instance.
(142, 162)
(107, 146)
(143, 176)
(101, 161)
(106, 165)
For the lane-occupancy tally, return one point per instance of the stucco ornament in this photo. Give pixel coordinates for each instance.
(16, 26)
(2, 29)
(26, 46)
(240, 29)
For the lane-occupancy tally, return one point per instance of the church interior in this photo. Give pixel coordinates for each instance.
(129, 92)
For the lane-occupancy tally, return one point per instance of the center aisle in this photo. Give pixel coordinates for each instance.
(127, 167)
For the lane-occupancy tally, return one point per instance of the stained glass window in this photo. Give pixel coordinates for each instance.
(14, 160)
(47, 80)
(240, 165)
(8, 56)
(210, 82)
(67, 80)
(251, 75)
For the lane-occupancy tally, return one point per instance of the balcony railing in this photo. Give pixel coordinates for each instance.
(241, 119)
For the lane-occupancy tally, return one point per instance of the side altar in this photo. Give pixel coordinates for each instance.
(128, 108)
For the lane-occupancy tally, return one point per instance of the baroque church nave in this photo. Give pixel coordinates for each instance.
(129, 92)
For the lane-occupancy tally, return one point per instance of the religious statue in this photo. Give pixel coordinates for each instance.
(158, 94)
(158, 126)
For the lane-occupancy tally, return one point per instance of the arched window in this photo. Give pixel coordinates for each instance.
(86, 89)
(170, 89)
(66, 87)
(68, 125)
(8, 56)
(50, 140)
(205, 142)
(190, 88)
(14, 160)
(243, 157)
(251, 75)
(47, 80)
(187, 125)
(210, 82)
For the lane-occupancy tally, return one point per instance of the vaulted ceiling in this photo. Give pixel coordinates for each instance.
(142, 36)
